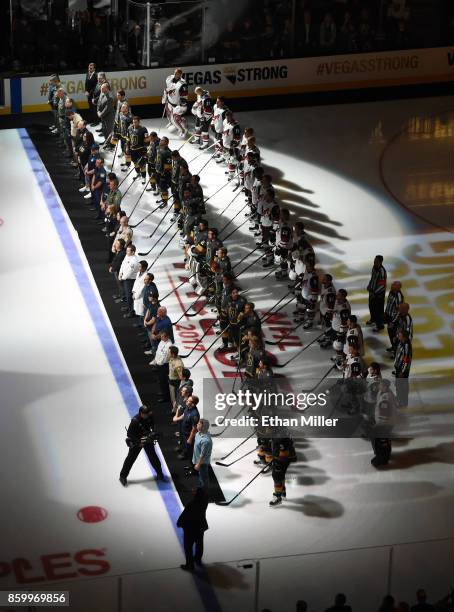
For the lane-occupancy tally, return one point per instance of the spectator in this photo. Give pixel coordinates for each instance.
(194, 524)
(119, 249)
(422, 605)
(160, 364)
(151, 314)
(327, 33)
(403, 606)
(187, 416)
(83, 152)
(387, 604)
(176, 367)
(347, 34)
(340, 604)
(162, 323)
(137, 291)
(301, 606)
(124, 231)
(203, 447)
(127, 276)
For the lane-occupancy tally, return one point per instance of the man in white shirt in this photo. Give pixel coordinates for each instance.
(137, 293)
(160, 364)
(127, 276)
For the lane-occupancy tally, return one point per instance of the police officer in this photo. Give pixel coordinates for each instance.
(98, 186)
(139, 436)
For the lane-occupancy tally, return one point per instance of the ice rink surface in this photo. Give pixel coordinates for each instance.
(365, 179)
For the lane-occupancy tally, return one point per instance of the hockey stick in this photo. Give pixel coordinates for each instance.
(205, 165)
(283, 365)
(201, 153)
(319, 382)
(250, 265)
(239, 458)
(227, 503)
(125, 177)
(140, 197)
(235, 448)
(153, 233)
(167, 244)
(228, 206)
(162, 251)
(233, 218)
(146, 216)
(162, 118)
(186, 142)
(217, 435)
(273, 266)
(237, 228)
(269, 312)
(206, 350)
(290, 331)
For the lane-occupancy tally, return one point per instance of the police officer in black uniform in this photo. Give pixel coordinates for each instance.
(140, 435)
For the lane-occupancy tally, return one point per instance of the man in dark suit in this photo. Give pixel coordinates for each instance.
(91, 78)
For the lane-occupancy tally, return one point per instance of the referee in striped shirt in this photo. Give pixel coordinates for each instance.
(377, 291)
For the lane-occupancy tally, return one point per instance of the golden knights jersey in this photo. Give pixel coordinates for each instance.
(137, 137)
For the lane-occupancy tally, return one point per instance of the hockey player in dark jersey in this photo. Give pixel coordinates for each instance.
(137, 145)
(163, 170)
(234, 310)
(222, 302)
(251, 355)
(177, 163)
(283, 454)
(377, 291)
(219, 266)
(151, 160)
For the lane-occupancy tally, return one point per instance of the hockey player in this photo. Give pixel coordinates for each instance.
(217, 124)
(177, 163)
(152, 149)
(310, 290)
(175, 98)
(284, 243)
(341, 312)
(116, 134)
(223, 301)
(220, 265)
(354, 336)
(377, 291)
(202, 109)
(402, 365)
(205, 276)
(234, 310)
(231, 136)
(196, 252)
(395, 299)
(327, 300)
(269, 222)
(251, 353)
(137, 145)
(384, 419)
(283, 453)
(163, 164)
(192, 207)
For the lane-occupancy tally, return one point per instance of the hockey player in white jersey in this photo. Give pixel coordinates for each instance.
(231, 137)
(202, 109)
(175, 98)
(217, 124)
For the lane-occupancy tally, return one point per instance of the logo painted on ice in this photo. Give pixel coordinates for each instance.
(92, 514)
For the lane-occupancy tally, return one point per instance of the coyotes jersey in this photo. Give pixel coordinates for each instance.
(341, 312)
(326, 299)
(203, 106)
(310, 286)
(354, 367)
(284, 236)
(230, 134)
(354, 338)
(217, 120)
(176, 92)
